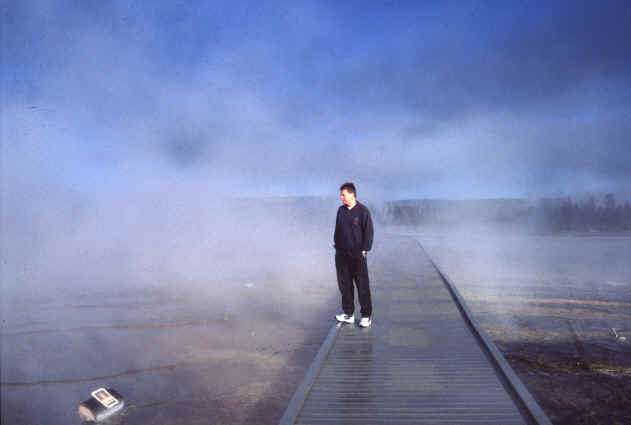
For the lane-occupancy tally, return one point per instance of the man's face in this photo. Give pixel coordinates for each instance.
(347, 197)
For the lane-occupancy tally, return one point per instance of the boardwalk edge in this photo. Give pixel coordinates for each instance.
(297, 401)
(529, 403)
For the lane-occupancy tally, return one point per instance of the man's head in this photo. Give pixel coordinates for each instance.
(348, 193)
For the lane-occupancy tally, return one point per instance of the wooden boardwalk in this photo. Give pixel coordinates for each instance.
(423, 360)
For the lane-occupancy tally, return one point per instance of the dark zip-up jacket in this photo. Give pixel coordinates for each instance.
(353, 229)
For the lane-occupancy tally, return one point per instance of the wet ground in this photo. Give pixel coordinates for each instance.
(212, 365)
(231, 349)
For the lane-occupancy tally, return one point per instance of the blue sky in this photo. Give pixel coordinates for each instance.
(469, 99)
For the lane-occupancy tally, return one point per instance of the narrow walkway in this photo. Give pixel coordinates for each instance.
(420, 362)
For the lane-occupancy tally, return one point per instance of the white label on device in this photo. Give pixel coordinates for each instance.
(104, 397)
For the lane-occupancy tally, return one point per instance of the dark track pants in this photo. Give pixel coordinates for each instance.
(351, 269)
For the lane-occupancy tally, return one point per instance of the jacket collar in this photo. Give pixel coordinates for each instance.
(354, 206)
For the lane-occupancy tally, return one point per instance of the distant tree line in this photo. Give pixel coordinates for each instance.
(546, 214)
(587, 215)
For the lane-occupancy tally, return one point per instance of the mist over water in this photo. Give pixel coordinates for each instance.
(167, 299)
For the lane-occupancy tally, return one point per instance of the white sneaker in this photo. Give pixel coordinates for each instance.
(365, 322)
(345, 318)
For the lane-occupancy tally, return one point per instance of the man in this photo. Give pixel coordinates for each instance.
(352, 241)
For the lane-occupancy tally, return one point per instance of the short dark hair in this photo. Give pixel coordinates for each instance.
(350, 188)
